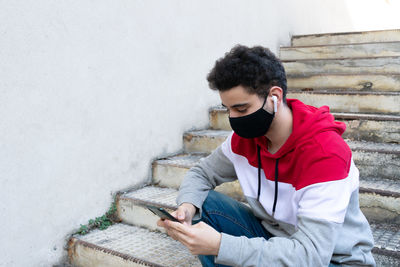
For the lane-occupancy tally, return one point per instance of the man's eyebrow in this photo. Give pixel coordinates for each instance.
(237, 105)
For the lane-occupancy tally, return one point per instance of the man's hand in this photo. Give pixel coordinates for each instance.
(200, 239)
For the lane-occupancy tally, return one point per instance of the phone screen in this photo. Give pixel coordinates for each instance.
(162, 213)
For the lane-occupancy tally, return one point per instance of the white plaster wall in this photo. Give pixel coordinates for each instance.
(322, 16)
(92, 91)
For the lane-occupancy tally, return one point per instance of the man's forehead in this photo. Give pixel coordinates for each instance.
(237, 97)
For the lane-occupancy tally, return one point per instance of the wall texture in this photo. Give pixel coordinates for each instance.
(92, 91)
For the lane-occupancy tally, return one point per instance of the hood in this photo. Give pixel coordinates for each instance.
(307, 122)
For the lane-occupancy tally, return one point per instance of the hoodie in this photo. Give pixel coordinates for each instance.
(306, 195)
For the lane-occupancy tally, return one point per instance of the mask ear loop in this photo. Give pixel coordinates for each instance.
(265, 100)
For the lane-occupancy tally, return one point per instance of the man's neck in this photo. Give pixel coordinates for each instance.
(281, 129)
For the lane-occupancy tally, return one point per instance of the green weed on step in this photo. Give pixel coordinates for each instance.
(102, 222)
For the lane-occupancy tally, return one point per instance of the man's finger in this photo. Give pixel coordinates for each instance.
(161, 223)
(179, 227)
(179, 236)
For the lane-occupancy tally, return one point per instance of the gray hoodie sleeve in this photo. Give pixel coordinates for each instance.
(311, 245)
(210, 172)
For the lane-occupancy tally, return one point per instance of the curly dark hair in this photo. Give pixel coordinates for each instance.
(257, 69)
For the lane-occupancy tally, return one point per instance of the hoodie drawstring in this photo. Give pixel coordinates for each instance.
(259, 180)
(259, 173)
(276, 187)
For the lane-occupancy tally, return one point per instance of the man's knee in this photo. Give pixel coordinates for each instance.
(211, 200)
(217, 201)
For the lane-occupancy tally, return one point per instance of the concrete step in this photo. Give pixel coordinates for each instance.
(166, 170)
(346, 38)
(368, 127)
(177, 169)
(343, 51)
(387, 244)
(373, 159)
(387, 237)
(377, 159)
(131, 246)
(203, 141)
(128, 246)
(389, 82)
(381, 65)
(169, 172)
(350, 100)
(380, 200)
(371, 127)
(131, 210)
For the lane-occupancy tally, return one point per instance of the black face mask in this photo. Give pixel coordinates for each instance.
(253, 125)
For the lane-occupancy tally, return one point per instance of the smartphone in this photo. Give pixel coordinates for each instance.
(162, 213)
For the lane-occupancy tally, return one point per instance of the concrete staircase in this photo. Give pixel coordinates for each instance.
(357, 75)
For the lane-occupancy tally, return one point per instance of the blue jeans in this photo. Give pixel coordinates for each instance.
(229, 216)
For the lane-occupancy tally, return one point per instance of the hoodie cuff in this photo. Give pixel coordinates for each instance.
(195, 201)
(229, 250)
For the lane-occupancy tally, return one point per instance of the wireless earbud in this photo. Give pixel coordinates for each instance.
(275, 99)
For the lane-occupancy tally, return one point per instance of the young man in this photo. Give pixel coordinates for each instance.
(296, 172)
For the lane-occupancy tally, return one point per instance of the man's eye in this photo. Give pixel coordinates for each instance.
(242, 110)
